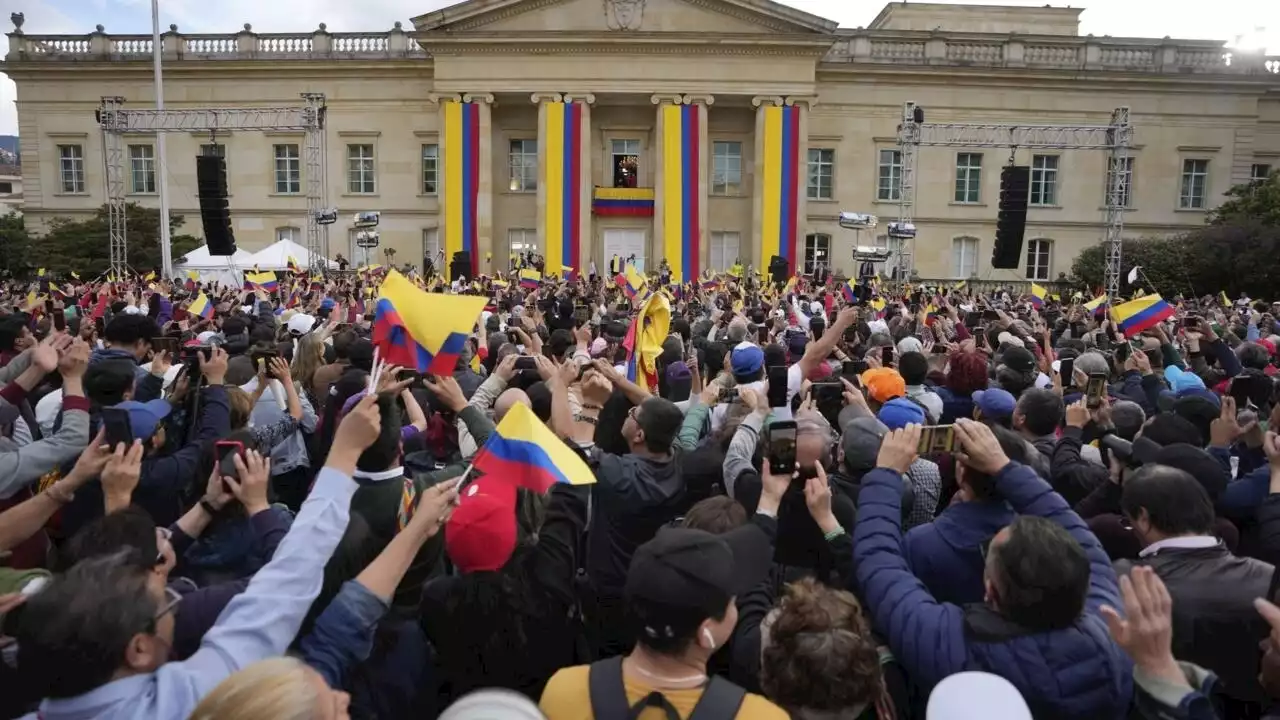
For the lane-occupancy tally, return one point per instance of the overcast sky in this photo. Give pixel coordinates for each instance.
(1253, 23)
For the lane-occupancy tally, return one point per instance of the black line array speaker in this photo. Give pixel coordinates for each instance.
(460, 267)
(215, 215)
(778, 269)
(1011, 221)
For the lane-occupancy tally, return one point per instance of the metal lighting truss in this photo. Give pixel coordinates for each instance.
(1116, 138)
(308, 119)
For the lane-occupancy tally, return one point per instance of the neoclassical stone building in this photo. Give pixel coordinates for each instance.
(699, 131)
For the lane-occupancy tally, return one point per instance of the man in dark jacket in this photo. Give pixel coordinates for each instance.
(1214, 622)
(635, 495)
(1036, 418)
(129, 337)
(1045, 578)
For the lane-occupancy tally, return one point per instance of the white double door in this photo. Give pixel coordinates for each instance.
(625, 242)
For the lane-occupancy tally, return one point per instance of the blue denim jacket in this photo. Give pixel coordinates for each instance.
(343, 634)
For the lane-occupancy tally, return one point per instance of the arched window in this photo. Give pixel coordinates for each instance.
(964, 257)
(1039, 259)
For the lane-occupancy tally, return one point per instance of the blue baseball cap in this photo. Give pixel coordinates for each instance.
(899, 413)
(145, 418)
(1180, 380)
(746, 359)
(995, 403)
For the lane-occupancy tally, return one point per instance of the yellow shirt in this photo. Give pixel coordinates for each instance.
(568, 697)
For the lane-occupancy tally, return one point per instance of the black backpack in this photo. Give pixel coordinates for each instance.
(720, 698)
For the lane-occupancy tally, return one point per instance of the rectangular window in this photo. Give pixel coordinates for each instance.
(71, 168)
(724, 249)
(968, 178)
(430, 169)
(1038, 259)
(6, 188)
(522, 240)
(288, 169)
(142, 169)
(817, 251)
(889, 186)
(360, 170)
(821, 177)
(292, 234)
(214, 150)
(523, 156)
(726, 167)
(1126, 184)
(964, 257)
(431, 248)
(625, 160)
(1259, 171)
(1195, 181)
(1044, 180)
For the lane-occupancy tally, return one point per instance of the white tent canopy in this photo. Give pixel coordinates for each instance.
(276, 257)
(200, 259)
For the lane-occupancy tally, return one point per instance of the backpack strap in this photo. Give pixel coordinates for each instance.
(720, 701)
(608, 694)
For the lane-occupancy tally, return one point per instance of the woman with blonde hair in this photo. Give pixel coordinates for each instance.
(308, 356)
(282, 688)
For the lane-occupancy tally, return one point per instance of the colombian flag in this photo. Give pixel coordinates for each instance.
(644, 341)
(850, 293)
(420, 330)
(1037, 295)
(530, 279)
(201, 306)
(263, 280)
(524, 451)
(293, 265)
(632, 283)
(1140, 314)
(1097, 304)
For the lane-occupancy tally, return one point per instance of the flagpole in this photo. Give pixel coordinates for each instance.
(162, 179)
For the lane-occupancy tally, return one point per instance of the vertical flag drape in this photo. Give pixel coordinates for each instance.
(781, 177)
(462, 180)
(681, 174)
(562, 181)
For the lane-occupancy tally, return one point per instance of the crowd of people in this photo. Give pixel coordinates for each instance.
(816, 501)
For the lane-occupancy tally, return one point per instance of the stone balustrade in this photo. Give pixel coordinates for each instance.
(893, 47)
(244, 45)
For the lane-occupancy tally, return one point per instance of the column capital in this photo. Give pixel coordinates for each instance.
(582, 97)
(486, 98)
(667, 99)
(696, 98)
(438, 98)
(807, 101)
(541, 97)
(762, 100)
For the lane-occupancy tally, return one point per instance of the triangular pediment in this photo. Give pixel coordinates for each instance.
(645, 16)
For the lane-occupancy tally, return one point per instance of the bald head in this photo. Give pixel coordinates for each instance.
(507, 399)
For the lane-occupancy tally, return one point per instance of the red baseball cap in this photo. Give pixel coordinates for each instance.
(481, 533)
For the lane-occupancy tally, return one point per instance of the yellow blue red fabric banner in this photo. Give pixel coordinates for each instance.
(681, 174)
(1137, 315)
(562, 186)
(644, 341)
(781, 177)
(622, 202)
(461, 180)
(525, 452)
(424, 331)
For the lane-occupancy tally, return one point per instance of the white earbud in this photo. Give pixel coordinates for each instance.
(711, 641)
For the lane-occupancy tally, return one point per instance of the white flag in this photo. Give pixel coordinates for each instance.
(1133, 274)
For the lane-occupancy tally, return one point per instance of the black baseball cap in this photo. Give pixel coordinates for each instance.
(694, 569)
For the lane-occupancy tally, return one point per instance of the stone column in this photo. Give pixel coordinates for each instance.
(586, 155)
(752, 257)
(664, 171)
(581, 192)
(452, 187)
(541, 99)
(484, 193)
(805, 103)
(771, 202)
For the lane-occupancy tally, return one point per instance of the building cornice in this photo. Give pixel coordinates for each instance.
(768, 15)
(631, 43)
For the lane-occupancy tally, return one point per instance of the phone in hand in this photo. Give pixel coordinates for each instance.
(1191, 321)
(936, 439)
(1242, 390)
(886, 356)
(781, 447)
(59, 320)
(777, 375)
(526, 362)
(226, 451)
(117, 427)
(1066, 370)
(1095, 389)
(166, 344)
(100, 326)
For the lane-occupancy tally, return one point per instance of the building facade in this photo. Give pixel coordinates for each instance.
(11, 199)
(699, 131)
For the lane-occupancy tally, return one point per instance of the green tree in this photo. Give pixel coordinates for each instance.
(1163, 261)
(15, 245)
(83, 245)
(1256, 202)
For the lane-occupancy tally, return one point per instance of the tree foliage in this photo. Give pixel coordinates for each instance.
(1235, 251)
(83, 246)
(15, 245)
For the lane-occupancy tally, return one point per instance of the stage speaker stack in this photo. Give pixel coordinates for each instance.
(1011, 222)
(778, 269)
(215, 215)
(461, 266)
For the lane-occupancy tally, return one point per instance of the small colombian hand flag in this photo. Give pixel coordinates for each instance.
(1038, 295)
(524, 451)
(849, 291)
(1095, 305)
(530, 279)
(632, 283)
(292, 264)
(1140, 314)
(420, 330)
(263, 280)
(201, 306)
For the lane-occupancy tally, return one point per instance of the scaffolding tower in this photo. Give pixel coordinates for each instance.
(308, 119)
(1116, 138)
